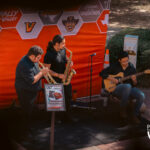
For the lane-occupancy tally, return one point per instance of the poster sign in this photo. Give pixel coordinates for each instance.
(130, 45)
(54, 96)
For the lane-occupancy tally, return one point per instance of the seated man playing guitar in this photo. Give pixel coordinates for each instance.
(113, 81)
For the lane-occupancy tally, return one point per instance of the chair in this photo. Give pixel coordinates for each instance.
(107, 97)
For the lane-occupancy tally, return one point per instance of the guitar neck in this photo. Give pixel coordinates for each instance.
(128, 77)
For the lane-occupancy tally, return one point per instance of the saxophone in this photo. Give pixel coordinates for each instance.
(68, 73)
(48, 77)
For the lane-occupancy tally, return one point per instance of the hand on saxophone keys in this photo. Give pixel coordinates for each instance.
(71, 64)
(61, 76)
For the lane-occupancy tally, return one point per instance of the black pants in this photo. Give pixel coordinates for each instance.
(26, 99)
(68, 96)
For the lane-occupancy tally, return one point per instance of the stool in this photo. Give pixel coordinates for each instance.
(107, 96)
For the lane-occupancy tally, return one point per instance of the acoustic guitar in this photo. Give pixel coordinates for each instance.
(110, 86)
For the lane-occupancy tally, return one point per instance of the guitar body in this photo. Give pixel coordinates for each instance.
(109, 85)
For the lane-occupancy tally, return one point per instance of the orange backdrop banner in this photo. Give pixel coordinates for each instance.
(85, 31)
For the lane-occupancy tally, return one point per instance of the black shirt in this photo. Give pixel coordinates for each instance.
(117, 68)
(25, 72)
(57, 60)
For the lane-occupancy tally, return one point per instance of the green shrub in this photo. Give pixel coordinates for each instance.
(115, 45)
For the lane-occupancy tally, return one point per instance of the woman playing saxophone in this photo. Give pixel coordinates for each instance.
(56, 60)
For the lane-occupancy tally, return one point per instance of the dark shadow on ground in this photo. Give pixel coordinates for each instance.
(93, 127)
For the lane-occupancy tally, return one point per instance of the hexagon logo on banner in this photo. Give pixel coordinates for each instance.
(70, 23)
(103, 21)
(90, 11)
(9, 17)
(29, 26)
(50, 17)
(105, 4)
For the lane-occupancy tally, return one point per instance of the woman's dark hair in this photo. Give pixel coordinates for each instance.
(56, 39)
(123, 54)
(35, 50)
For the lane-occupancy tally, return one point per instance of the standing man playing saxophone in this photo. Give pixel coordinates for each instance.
(28, 83)
(55, 59)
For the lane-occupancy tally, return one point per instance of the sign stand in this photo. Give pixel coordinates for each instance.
(55, 101)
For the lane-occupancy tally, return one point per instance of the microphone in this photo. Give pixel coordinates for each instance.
(93, 54)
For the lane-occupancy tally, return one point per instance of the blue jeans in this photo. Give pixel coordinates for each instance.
(126, 92)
